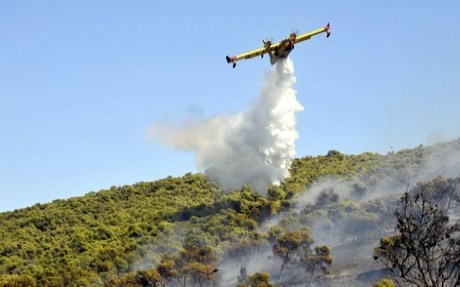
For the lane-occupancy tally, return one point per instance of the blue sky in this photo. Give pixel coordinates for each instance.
(81, 82)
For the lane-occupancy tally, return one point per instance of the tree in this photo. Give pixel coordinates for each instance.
(17, 281)
(327, 196)
(144, 278)
(385, 215)
(256, 280)
(201, 273)
(149, 278)
(426, 249)
(243, 276)
(290, 246)
(296, 248)
(196, 263)
(358, 224)
(317, 262)
(384, 283)
(167, 269)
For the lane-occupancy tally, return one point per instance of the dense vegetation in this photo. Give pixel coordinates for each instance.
(176, 230)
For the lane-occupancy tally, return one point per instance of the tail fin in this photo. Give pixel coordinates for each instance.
(231, 60)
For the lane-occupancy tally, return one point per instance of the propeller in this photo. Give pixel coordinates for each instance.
(267, 43)
(268, 39)
(294, 33)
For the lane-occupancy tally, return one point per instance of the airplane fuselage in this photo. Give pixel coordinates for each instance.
(285, 47)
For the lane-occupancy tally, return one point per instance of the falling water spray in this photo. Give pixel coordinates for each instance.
(254, 147)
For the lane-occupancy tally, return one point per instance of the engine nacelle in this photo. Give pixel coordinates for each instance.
(267, 44)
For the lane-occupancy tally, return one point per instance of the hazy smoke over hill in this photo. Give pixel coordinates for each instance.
(253, 147)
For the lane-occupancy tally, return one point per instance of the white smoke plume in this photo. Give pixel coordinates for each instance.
(254, 147)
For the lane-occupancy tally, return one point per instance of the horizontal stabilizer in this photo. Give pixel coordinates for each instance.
(231, 60)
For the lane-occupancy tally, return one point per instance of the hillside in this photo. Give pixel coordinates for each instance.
(98, 238)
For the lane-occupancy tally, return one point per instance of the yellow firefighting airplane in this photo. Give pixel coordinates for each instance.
(278, 50)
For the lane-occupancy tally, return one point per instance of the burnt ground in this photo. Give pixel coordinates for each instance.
(353, 266)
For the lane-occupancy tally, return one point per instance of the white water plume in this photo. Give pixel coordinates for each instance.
(254, 147)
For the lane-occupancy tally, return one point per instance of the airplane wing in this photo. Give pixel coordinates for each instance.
(269, 47)
(308, 35)
(251, 54)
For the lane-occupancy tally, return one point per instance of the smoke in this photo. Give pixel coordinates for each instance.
(443, 159)
(254, 147)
